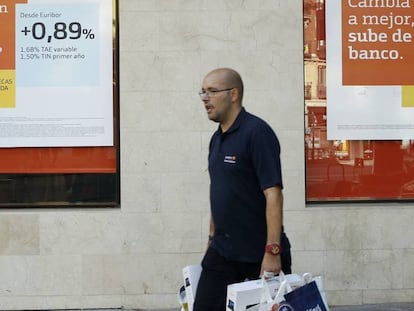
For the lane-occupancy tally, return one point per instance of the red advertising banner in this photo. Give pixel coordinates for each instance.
(58, 160)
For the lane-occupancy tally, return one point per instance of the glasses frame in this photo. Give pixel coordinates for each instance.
(212, 93)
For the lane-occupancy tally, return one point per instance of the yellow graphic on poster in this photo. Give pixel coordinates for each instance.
(407, 96)
(7, 88)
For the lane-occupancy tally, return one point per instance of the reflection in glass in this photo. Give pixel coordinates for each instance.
(345, 170)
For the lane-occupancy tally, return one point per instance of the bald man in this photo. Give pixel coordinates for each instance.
(246, 234)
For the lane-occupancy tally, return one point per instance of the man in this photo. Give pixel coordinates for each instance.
(246, 237)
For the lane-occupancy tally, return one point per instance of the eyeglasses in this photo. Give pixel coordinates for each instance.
(212, 93)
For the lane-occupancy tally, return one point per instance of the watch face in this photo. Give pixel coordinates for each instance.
(273, 249)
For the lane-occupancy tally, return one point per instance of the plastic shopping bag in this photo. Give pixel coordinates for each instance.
(306, 297)
(268, 303)
(247, 295)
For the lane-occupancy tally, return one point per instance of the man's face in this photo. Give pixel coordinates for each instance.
(217, 99)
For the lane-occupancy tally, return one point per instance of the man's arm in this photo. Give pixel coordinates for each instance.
(211, 230)
(274, 216)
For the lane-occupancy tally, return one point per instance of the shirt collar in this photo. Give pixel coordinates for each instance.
(236, 123)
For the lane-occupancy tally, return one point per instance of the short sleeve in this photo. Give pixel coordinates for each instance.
(265, 155)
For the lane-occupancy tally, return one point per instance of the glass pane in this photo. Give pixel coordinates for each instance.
(57, 189)
(345, 170)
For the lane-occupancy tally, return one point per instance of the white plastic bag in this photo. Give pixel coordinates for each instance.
(268, 303)
(182, 299)
(247, 295)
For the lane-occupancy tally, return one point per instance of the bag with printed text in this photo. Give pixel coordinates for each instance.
(309, 297)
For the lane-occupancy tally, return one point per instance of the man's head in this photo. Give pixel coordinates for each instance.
(222, 94)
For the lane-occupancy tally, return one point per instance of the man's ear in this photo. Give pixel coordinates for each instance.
(235, 94)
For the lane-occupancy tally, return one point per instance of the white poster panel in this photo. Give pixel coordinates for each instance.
(63, 75)
(369, 93)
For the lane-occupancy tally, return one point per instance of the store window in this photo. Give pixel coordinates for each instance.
(346, 169)
(59, 141)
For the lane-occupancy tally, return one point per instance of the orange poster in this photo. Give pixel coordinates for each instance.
(377, 42)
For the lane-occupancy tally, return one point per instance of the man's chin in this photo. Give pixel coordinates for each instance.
(213, 118)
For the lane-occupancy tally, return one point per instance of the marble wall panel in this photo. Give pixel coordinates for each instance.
(141, 193)
(80, 233)
(19, 234)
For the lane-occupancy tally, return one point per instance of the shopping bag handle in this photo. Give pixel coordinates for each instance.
(284, 288)
(307, 277)
(266, 296)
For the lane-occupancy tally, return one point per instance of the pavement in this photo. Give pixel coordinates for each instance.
(377, 307)
(409, 306)
(374, 307)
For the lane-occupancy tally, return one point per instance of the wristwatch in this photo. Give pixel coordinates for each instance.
(274, 249)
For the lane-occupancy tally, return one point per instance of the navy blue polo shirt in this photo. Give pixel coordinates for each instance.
(243, 161)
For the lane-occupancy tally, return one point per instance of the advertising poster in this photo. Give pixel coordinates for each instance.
(369, 56)
(56, 73)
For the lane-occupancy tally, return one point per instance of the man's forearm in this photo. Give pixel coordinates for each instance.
(274, 214)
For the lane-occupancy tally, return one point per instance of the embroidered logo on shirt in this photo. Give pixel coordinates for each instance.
(230, 159)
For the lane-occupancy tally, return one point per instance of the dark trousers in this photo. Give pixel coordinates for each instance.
(217, 273)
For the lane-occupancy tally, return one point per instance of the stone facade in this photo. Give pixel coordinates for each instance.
(132, 256)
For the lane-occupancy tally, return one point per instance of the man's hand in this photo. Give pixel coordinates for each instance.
(271, 263)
